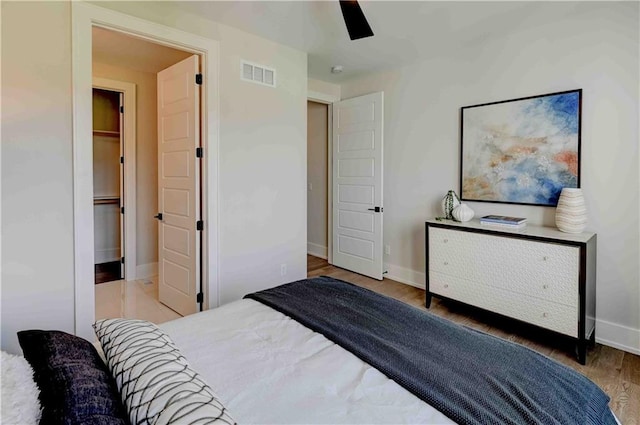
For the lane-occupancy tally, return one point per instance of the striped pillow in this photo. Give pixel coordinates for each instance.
(155, 381)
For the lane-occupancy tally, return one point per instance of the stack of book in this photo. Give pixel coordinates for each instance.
(504, 221)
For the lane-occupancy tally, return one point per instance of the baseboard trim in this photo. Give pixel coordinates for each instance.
(607, 333)
(618, 336)
(404, 275)
(317, 250)
(145, 271)
(107, 255)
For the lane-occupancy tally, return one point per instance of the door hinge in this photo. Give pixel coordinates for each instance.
(200, 297)
(122, 260)
(199, 79)
(122, 160)
(121, 109)
(199, 153)
(121, 210)
(199, 225)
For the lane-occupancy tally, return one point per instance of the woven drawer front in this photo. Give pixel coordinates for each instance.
(543, 270)
(546, 314)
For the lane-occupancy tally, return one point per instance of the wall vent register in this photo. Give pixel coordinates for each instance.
(259, 74)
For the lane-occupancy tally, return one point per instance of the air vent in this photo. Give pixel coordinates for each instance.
(259, 74)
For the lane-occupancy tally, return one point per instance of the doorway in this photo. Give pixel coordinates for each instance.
(320, 106)
(84, 17)
(355, 142)
(317, 179)
(118, 60)
(108, 182)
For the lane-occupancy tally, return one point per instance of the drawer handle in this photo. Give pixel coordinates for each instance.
(545, 258)
(446, 285)
(446, 263)
(545, 314)
(545, 286)
(446, 240)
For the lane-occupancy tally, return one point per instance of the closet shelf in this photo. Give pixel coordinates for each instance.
(106, 133)
(98, 200)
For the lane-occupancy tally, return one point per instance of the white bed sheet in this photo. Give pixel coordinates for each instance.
(268, 369)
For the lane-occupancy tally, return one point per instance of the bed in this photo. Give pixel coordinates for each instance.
(271, 369)
(257, 364)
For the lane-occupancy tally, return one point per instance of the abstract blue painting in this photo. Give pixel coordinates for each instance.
(521, 151)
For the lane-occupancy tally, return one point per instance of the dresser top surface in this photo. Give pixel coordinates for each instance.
(527, 231)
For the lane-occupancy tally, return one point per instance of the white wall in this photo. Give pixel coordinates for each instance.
(322, 87)
(317, 169)
(263, 172)
(146, 156)
(37, 226)
(262, 162)
(595, 49)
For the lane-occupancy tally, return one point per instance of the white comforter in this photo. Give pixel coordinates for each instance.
(268, 369)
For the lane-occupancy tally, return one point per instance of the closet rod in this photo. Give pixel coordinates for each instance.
(106, 200)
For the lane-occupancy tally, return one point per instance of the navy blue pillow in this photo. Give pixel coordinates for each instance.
(75, 384)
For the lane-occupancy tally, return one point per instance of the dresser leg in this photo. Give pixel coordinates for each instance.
(427, 301)
(582, 351)
(592, 339)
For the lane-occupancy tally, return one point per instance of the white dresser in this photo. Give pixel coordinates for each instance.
(537, 275)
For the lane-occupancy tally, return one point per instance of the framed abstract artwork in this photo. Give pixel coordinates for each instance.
(521, 151)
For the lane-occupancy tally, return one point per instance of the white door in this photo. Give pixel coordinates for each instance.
(357, 184)
(179, 186)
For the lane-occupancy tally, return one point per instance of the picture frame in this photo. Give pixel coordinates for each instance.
(521, 151)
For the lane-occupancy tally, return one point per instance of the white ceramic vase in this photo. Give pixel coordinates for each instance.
(449, 202)
(462, 213)
(571, 213)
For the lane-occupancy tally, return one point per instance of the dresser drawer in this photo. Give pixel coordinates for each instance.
(542, 270)
(547, 314)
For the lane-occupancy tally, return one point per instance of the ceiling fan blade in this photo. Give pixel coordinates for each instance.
(356, 23)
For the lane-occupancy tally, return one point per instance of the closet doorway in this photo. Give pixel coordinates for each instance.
(108, 185)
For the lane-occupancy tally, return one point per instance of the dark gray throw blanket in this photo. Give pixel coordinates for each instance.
(471, 377)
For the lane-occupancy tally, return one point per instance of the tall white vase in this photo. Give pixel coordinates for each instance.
(571, 213)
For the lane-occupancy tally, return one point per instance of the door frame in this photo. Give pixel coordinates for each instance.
(128, 138)
(329, 100)
(83, 18)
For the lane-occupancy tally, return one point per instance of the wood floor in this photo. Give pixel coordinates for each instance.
(107, 272)
(615, 371)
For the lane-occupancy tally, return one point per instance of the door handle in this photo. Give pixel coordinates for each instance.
(159, 216)
(376, 209)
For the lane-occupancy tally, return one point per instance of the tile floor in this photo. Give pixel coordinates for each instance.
(137, 299)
